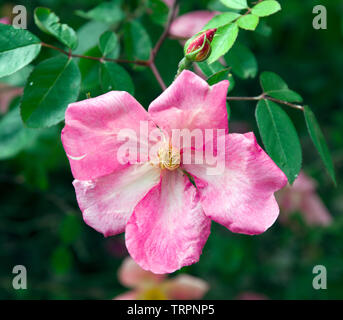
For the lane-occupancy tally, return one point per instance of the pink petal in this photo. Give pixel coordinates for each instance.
(190, 103)
(303, 183)
(130, 295)
(241, 198)
(108, 202)
(168, 228)
(90, 135)
(314, 211)
(132, 275)
(186, 287)
(187, 25)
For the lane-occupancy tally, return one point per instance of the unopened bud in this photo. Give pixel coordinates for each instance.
(198, 48)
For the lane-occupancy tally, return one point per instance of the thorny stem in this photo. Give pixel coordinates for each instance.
(148, 63)
(266, 97)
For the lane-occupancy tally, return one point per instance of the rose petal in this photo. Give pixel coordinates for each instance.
(190, 103)
(186, 287)
(108, 202)
(168, 229)
(241, 197)
(189, 24)
(90, 136)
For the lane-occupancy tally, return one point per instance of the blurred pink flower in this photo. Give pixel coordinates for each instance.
(301, 197)
(5, 20)
(251, 296)
(187, 25)
(169, 3)
(165, 218)
(149, 286)
(7, 93)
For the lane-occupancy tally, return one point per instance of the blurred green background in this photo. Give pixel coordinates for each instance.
(41, 226)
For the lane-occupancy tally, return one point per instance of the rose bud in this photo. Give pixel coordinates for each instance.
(198, 48)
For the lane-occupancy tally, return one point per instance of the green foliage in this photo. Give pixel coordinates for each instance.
(70, 229)
(221, 19)
(280, 138)
(14, 137)
(248, 22)
(235, 4)
(109, 45)
(137, 42)
(242, 61)
(114, 77)
(158, 11)
(274, 86)
(319, 141)
(223, 40)
(18, 79)
(18, 48)
(53, 84)
(61, 260)
(266, 8)
(49, 23)
(107, 12)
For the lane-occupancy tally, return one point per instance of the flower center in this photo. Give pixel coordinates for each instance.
(169, 158)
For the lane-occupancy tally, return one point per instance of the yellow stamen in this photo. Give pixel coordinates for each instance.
(169, 158)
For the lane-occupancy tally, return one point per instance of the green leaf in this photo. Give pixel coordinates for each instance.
(223, 40)
(52, 85)
(109, 45)
(248, 22)
(242, 61)
(107, 12)
(115, 77)
(319, 141)
(90, 70)
(215, 73)
(219, 76)
(221, 19)
(14, 137)
(49, 23)
(235, 4)
(275, 87)
(279, 137)
(18, 79)
(266, 8)
(158, 11)
(210, 69)
(89, 35)
(18, 48)
(137, 42)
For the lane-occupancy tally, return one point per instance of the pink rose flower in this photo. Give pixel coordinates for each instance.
(149, 286)
(301, 197)
(166, 218)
